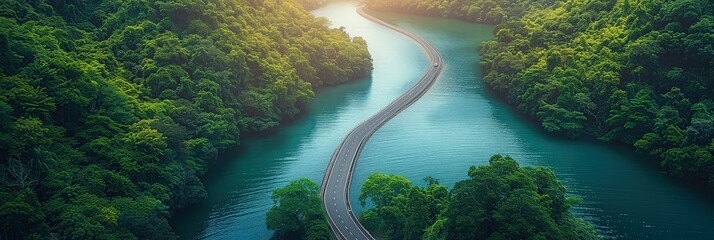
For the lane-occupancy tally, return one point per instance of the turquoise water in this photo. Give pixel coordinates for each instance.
(455, 125)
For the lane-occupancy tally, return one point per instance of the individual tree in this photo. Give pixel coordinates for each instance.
(297, 213)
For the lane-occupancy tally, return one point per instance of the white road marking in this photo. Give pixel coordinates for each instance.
(401, 103)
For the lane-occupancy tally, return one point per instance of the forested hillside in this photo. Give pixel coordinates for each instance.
(625, 71)
(311, 4)
(481, 11)
(498, 201)
(636, 72)
(111, 111)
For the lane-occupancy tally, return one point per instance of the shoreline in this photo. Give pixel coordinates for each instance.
(351, 146)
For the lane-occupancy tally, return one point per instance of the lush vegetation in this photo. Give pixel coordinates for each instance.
(110, 111)
(311, 4)
(624, 71)
(636, 72)
(297, 213)
(498, 201)
(482, 11)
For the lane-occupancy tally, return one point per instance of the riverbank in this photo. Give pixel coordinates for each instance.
(239, 189)
(455, 125)
(619, 187)
(347, 153)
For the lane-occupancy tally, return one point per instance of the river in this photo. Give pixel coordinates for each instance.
(455, 125)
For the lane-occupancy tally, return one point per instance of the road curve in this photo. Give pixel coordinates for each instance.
(338, 177)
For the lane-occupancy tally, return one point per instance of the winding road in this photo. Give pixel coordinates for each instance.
(338, 177)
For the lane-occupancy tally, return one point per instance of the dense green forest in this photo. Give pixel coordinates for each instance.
(633, 72)
(111, 111)
(482, 11)
(498, 201)
(639, 73)
(297, 212)
(311, 4)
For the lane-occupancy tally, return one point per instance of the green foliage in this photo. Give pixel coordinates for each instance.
(483, 11)
(311, 4)
(624, 71)
(22, 213)
(499, 201)
(297, 213)
(631, 72)
(560, 120)
(110, 111)
(400, 209)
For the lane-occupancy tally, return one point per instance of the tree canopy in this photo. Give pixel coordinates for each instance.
(498, 201)
(111, 111)
(311, 4)
(297, 213)
(624, 71)
(483, 11)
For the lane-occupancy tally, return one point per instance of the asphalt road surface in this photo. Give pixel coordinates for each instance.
(337, 179)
